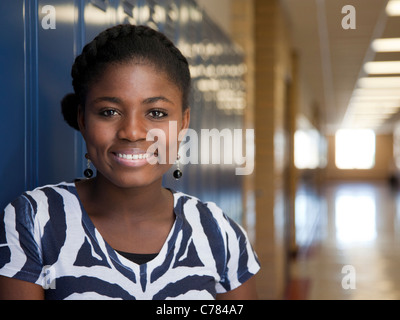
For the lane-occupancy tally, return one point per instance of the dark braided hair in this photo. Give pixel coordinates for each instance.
(122, 44)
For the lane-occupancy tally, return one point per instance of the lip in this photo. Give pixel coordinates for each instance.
(132, 157)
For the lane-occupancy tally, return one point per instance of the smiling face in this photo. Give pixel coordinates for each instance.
(126, 103)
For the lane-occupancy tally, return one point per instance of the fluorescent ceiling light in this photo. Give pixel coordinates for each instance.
(360, 99)
(371, 108)
(375, 113)
(379, 82)
(372, 115)
(376, 93)
(386, 45)
(368, 122)
(393, 8)
(375, 104)
(382, 67)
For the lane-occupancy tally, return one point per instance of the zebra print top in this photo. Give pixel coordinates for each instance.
(47, 238)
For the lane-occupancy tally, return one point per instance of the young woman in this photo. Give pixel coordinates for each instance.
(120, 234)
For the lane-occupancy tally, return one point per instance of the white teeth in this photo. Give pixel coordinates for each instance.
(133, 156)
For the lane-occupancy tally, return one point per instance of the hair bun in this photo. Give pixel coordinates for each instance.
(69, 109)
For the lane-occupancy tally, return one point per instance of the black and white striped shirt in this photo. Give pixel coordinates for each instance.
(47, 238)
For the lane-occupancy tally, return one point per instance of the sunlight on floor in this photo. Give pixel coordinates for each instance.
(355, 212)
(359, 236)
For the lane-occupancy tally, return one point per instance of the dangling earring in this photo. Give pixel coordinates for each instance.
(177, 173)
(88, 172)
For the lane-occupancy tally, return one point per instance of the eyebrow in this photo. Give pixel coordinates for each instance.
(108, 99)
(145, 101)
(156, 99)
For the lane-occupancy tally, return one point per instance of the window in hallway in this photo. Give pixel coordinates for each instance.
(306, 149)
(355, 149)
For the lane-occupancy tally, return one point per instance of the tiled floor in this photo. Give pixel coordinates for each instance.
(355, 253)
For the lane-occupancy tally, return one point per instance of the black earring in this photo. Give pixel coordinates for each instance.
(88, 172)
(177, 173)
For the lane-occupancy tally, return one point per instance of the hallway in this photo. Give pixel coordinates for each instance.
(354, 252)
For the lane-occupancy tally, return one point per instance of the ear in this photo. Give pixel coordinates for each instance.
(185, 121)
(81, 120)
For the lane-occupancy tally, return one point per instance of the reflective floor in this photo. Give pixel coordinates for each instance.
(352, 237)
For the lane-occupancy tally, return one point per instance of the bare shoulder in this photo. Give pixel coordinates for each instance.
(14, 289)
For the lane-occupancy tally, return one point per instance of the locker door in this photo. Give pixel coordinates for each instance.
(37, 146)
(12, 121)
(58, 144)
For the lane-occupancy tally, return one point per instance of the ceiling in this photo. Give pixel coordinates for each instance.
(331, 58)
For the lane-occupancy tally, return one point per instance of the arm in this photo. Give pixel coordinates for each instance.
(18, 249)
(247, 291)
(14, 289)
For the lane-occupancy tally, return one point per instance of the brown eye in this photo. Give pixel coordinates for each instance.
(108, 113)
(157, 114)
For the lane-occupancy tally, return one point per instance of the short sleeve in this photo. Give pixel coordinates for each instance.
(20, 256)
(241, 260)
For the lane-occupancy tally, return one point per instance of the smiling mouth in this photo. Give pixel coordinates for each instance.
(136, 155)
(132, 156)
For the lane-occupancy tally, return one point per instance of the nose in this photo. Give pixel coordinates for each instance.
(132, 128)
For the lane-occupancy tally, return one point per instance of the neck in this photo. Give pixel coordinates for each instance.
(138, 203)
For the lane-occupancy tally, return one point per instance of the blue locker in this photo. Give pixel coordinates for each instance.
(57, 145)
(14, 162)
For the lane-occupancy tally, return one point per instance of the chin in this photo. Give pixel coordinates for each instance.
(133, 178)
(129, 181)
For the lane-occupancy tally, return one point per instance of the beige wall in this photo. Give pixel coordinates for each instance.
(260, 28)
(273, 69)
(383, 162)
